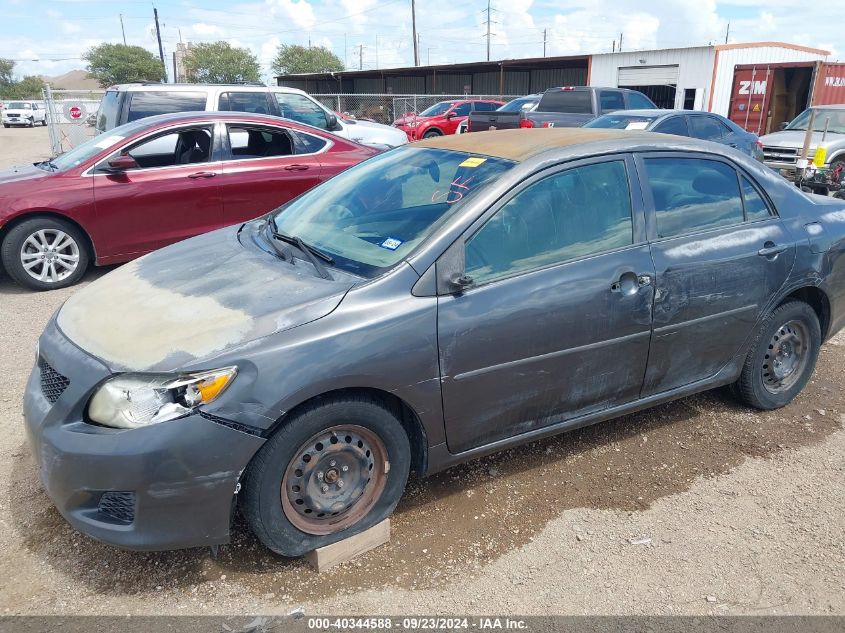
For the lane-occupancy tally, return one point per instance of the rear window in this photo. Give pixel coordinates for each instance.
(150, 103)
(107, 114)
(569, 101)
(622, 121)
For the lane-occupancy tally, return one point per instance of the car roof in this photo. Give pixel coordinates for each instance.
(837, 106)
(522, 144)
(188, 117)
(660, 112)
(131, 87)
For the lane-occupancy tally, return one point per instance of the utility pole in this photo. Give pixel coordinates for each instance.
(376, 51)
(360, 57)
(122, 29)
(414, 33)
(489, 22)
(544, 42)
(728, 32)
(620, 42)
(345, 54)
(158, 37)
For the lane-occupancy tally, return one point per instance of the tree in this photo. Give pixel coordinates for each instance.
(6, 68)
(220, 63)
(118, 63)
(27, 88)
(293, 59)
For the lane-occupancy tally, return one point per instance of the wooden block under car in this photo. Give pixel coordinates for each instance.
(324, 558)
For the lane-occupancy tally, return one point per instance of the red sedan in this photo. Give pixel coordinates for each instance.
(153, 182)
(442, 118)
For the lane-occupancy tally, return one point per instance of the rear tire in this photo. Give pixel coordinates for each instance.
(432, 133)
(782, 357)
(26, 252)
(336, 468)
(44, 123)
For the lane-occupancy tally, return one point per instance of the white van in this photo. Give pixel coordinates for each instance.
(129, 102)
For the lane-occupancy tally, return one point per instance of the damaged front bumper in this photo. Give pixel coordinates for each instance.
(166, 486)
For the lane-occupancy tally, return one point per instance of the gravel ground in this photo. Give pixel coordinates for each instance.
(699, 506)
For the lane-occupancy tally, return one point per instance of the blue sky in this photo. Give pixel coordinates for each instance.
(49, 38)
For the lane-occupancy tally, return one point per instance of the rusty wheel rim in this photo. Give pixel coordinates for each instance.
(334, 479)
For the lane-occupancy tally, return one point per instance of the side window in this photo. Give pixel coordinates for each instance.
(300, 108)
(692, 194)
(462, 109)
(254, 102)
(673, 125)
(705, 127)
(576, 213)
(253, 142)
(185, 147)
(152, 102)
(755, 207)
(308, 143)
(484, 107)
(638, 101)
(611, 100)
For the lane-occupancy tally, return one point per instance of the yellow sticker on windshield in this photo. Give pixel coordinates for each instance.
(472, 162)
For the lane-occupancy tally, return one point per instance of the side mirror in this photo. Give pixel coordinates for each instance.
(121, 163)
(784, 124)
(451, 115)
(332, 124)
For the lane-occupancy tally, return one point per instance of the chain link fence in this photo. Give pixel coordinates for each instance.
(71, 115)
(386, 108)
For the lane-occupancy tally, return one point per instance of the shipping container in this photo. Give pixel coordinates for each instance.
(765, 96)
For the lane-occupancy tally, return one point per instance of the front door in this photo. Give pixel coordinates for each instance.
(172, 194)
(556, 323)
(720, 253)
(262, 171)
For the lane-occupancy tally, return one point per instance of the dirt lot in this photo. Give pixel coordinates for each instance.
(700, 506)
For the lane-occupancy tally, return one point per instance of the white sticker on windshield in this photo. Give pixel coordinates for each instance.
(391, 243)
(637, 125)
(108, 141)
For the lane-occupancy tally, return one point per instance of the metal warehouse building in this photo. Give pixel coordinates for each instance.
(758, 84)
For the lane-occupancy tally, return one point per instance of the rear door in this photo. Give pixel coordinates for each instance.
(557, 322)
(262, 169)
(720, 253)
(172, 194)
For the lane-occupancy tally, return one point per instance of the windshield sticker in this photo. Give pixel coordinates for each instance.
(391, 243)
(637, 125)
(475, 161)
(108, 141)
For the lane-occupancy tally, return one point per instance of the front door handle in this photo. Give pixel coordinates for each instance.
(628, 283)
(770, 249)
(297, 168)
(202, 174)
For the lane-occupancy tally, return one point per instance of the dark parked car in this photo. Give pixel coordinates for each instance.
(153, 182)
(432, 304)
(570, 106)
(704, 125)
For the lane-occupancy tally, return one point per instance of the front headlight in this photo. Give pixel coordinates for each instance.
(412, 124)
(130, 401)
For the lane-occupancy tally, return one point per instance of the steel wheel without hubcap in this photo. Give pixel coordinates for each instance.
(334, 479)
(786, 358)
(49, 255)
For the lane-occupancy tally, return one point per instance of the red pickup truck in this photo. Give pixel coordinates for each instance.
(442, 118)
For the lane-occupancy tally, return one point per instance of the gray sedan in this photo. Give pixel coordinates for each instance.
(432, 304)
(702, 125)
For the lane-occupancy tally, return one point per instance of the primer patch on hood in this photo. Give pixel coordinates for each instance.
(126, 320)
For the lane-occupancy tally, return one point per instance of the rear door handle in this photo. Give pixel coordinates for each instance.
(297, 168)
(202, 174)
(770, 249)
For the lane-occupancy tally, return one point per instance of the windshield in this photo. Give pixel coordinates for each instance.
(373, 215)
(108, 110)
(517, 105)
(93, 146)
(437, 109)
(19, 105)
(834, 118)
(622, 121)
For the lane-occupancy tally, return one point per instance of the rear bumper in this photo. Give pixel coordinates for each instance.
(167, 486)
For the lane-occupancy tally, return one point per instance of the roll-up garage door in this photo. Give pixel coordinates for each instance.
(648, 76)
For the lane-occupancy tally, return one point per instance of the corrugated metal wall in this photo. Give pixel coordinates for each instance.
(761, 55)
(546, 78)
(830, 85)
(405, 85)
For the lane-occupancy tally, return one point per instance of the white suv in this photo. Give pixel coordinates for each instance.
(24, 113)
(130, 102)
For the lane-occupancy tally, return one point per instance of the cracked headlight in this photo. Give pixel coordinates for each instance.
(130, 401)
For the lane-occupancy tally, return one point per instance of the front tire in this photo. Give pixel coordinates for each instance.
(43, 122)
(336, 468)
(432, 133)
(782, 357)
(45, 254)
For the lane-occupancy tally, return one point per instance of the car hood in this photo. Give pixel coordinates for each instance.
(789, 138)
(193, 301)
(19, 173)
(372, 133)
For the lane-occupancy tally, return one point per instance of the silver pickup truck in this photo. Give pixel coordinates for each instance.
(781, 150)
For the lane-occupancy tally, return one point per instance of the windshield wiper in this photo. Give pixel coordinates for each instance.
(314, 255)
(48, 163)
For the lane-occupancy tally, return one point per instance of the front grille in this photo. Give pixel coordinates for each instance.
(118, 506)
(53, 384)
(788, 155)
